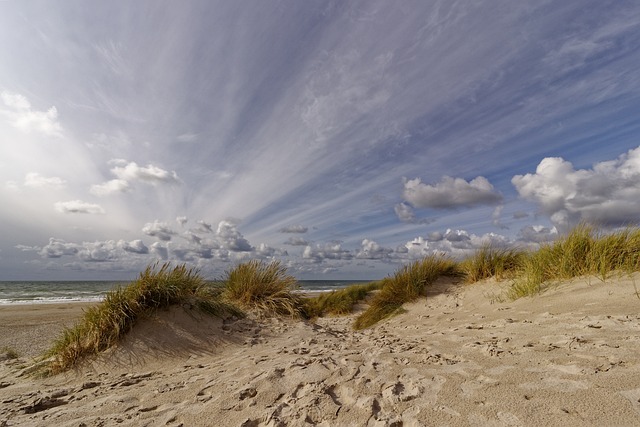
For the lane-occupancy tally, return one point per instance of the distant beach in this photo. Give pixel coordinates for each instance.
(54, 292)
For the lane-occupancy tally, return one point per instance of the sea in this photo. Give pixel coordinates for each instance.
(48, 292)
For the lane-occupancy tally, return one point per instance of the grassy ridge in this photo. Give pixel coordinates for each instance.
(105, 324)
(406, 285)
(268, 288)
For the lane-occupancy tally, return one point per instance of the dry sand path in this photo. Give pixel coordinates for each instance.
(570, 357)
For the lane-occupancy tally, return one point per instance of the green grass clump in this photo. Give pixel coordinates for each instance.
(489, 262)
(339, 302)
(264, 287)
(406, 285)
(583, 251)
(105, 324)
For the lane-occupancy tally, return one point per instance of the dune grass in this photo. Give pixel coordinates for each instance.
(105, 324)
(8, 353)
(266, 288)
(339, 302)
(407, 284)
(488, 262)
(583, 251)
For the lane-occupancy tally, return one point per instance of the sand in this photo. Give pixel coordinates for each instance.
(570, 357)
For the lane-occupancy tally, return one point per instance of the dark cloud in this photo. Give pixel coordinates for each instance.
(294, 229)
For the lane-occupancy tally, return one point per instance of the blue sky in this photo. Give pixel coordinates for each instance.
(343, 138)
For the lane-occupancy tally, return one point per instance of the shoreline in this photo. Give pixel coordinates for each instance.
(29, 329)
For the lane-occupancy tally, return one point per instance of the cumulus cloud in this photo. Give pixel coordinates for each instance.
(56, 248)
(98, 251)
(150, 174)
(296, 241)
(456, 243)
(134, 246)
(231, 238)
(20, 115)
(182, 220)
(450, 193)
(333, 251)
(35, 180)
(78, 206)
(110, 187)
(538, 234)
(129, 172)
(205, 227)
(405, 213)
(369, 249)
(520, 215)
(159, 250)
(158, 229)
(294, 229)
(608, 194)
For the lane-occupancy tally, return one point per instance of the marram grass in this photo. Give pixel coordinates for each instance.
(341, 301)
(490, 262)
(105, 324)
(267, 288)
(407, 285)
(583, 251)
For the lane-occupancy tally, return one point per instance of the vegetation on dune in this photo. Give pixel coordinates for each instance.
(583, 251)
(341, 301)
(488, 261)
(8, 353)
(264, 287)
(268, 288)
(105, 324)
(406, 285)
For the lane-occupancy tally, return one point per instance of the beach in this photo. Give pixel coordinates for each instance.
(462, 356)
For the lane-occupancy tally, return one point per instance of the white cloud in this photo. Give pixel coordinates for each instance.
(333, 251)
(20, 115)
(294, 229)
(58, 247)
(182, 220)
(150, 173)
(450, 193)
(231, 238)
(78, 206)
(608, 194)
(110, 187)
(158, 229)
(35, 180)
(371, 250)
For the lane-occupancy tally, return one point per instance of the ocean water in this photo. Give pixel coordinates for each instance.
(77, 291)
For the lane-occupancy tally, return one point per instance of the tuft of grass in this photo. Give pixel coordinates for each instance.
(105, 324)
(267, 288)
(406, 285)
(489, 262)
(339, 302)
(583, 251)
(8, 353)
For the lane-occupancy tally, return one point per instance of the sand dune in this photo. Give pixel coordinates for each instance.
(568, 357)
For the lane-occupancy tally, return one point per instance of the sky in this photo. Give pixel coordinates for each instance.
(342, 138)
